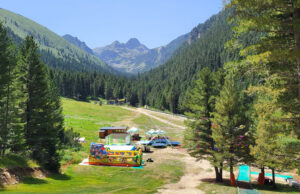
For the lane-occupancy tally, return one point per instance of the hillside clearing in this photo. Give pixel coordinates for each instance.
(173, 170)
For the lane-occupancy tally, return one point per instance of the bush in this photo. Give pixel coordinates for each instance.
(13, 160)
(66, 157)
(70, 139)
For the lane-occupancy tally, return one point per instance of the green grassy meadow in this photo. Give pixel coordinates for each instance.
(87, 118)
(94, 179)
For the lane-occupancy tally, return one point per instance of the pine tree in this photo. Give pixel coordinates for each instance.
(10, 119)
(275, 147)
(229, 123)
(200, 105)
(275, 58)
(55, 129)
(41, 117)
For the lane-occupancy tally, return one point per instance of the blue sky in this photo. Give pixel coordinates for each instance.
(100, 22)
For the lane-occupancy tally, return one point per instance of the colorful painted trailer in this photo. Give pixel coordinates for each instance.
(99, 155)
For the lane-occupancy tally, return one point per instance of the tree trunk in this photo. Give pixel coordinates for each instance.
(3, 150)
(219, 173)
(7, 112)
(261, 176)
(273, 177)
(296, 18)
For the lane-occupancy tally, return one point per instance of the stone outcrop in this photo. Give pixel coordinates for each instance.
(11, 176)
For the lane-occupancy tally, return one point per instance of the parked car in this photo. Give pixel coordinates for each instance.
(159, 143)
(173, 143)
(155, 141)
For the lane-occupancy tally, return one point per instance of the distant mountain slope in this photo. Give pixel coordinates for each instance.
(122, 56)
(165, 87)
(78, 43)
(134, 57)
(55, 51)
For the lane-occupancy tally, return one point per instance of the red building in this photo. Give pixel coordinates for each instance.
(105, 131)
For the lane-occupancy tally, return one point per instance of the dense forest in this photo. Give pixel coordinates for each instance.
(164, 87)
(31, 119)
(249, 112)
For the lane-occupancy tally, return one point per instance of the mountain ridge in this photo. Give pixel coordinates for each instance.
(78, 43)
(134, 57)
(55, 51)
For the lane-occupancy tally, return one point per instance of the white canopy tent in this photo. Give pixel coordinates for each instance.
(133, 130)
(156, 132)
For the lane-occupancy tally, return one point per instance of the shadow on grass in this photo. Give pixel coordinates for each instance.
(279, 188)
(2, 188)
(33, 181)
(210, 185)
(226, 182)
(60, 177)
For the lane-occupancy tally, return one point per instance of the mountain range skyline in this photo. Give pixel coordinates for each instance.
(99, 23)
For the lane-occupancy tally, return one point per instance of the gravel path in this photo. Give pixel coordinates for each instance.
(151, 114)
(195, 171)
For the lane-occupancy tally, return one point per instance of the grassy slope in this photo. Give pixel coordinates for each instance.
(12, 160)
(225, 188)
(145, 123)
(87, 118)
(47, 39)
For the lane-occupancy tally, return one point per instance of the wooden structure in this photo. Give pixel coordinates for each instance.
(116, 101)
(105, 131)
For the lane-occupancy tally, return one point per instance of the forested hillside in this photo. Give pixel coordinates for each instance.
(55, 51)
(165, 87)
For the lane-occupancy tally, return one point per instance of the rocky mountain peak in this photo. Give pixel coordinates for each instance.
(133, 43)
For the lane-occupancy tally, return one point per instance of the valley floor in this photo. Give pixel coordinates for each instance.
(173, 170)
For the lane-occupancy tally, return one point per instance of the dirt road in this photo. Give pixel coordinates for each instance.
(156, 115)
(194, 170)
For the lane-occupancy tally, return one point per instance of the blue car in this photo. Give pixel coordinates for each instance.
(159, 143)
(173, 143)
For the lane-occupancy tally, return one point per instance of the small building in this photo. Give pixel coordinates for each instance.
(105, 131)
(116, 101)
(121, 101)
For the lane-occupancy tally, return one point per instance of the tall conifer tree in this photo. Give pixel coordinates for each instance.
(200, 105)
(276, 59)
(10, 119)
(229, 123)
(42, 110)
